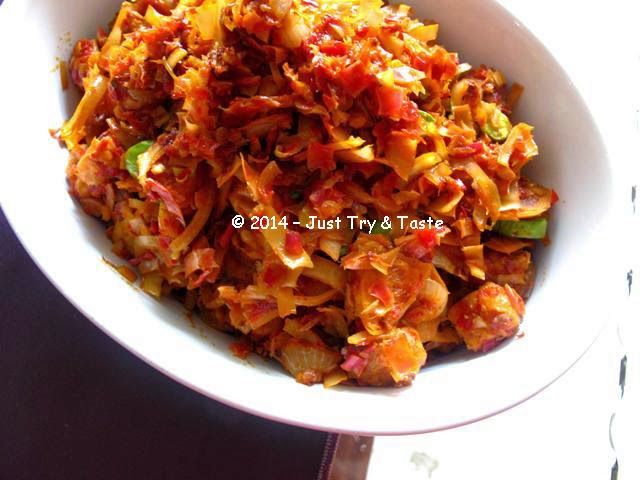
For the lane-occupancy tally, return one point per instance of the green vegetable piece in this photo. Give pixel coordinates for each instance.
(344, 250)
(430, 127)
(131, 156)
(535, 228)
(427, 116)
(296, 195)
(378, 228)
(498, 126)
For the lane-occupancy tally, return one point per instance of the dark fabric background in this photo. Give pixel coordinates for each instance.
(76, 405)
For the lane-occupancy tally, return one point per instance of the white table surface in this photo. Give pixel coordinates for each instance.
(580, 426)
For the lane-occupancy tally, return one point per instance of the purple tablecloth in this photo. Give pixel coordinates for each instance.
(76, 405)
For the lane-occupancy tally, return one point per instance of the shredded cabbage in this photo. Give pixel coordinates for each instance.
(277, 113)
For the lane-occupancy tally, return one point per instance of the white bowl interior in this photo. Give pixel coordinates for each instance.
(563, 316)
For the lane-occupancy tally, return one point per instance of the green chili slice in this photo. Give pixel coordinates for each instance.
(535, 228)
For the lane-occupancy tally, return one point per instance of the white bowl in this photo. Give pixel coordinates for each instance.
(574, 289)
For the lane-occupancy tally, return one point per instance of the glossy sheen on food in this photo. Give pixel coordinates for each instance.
(194, 112)
(485, 317)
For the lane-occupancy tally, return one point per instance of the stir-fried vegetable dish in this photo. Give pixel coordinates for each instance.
(196, 111)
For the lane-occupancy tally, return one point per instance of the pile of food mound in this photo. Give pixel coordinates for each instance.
(196, 111)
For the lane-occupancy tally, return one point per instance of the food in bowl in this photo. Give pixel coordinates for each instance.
(321, 179)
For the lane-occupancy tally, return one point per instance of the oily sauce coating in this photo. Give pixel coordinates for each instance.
(198, 111)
